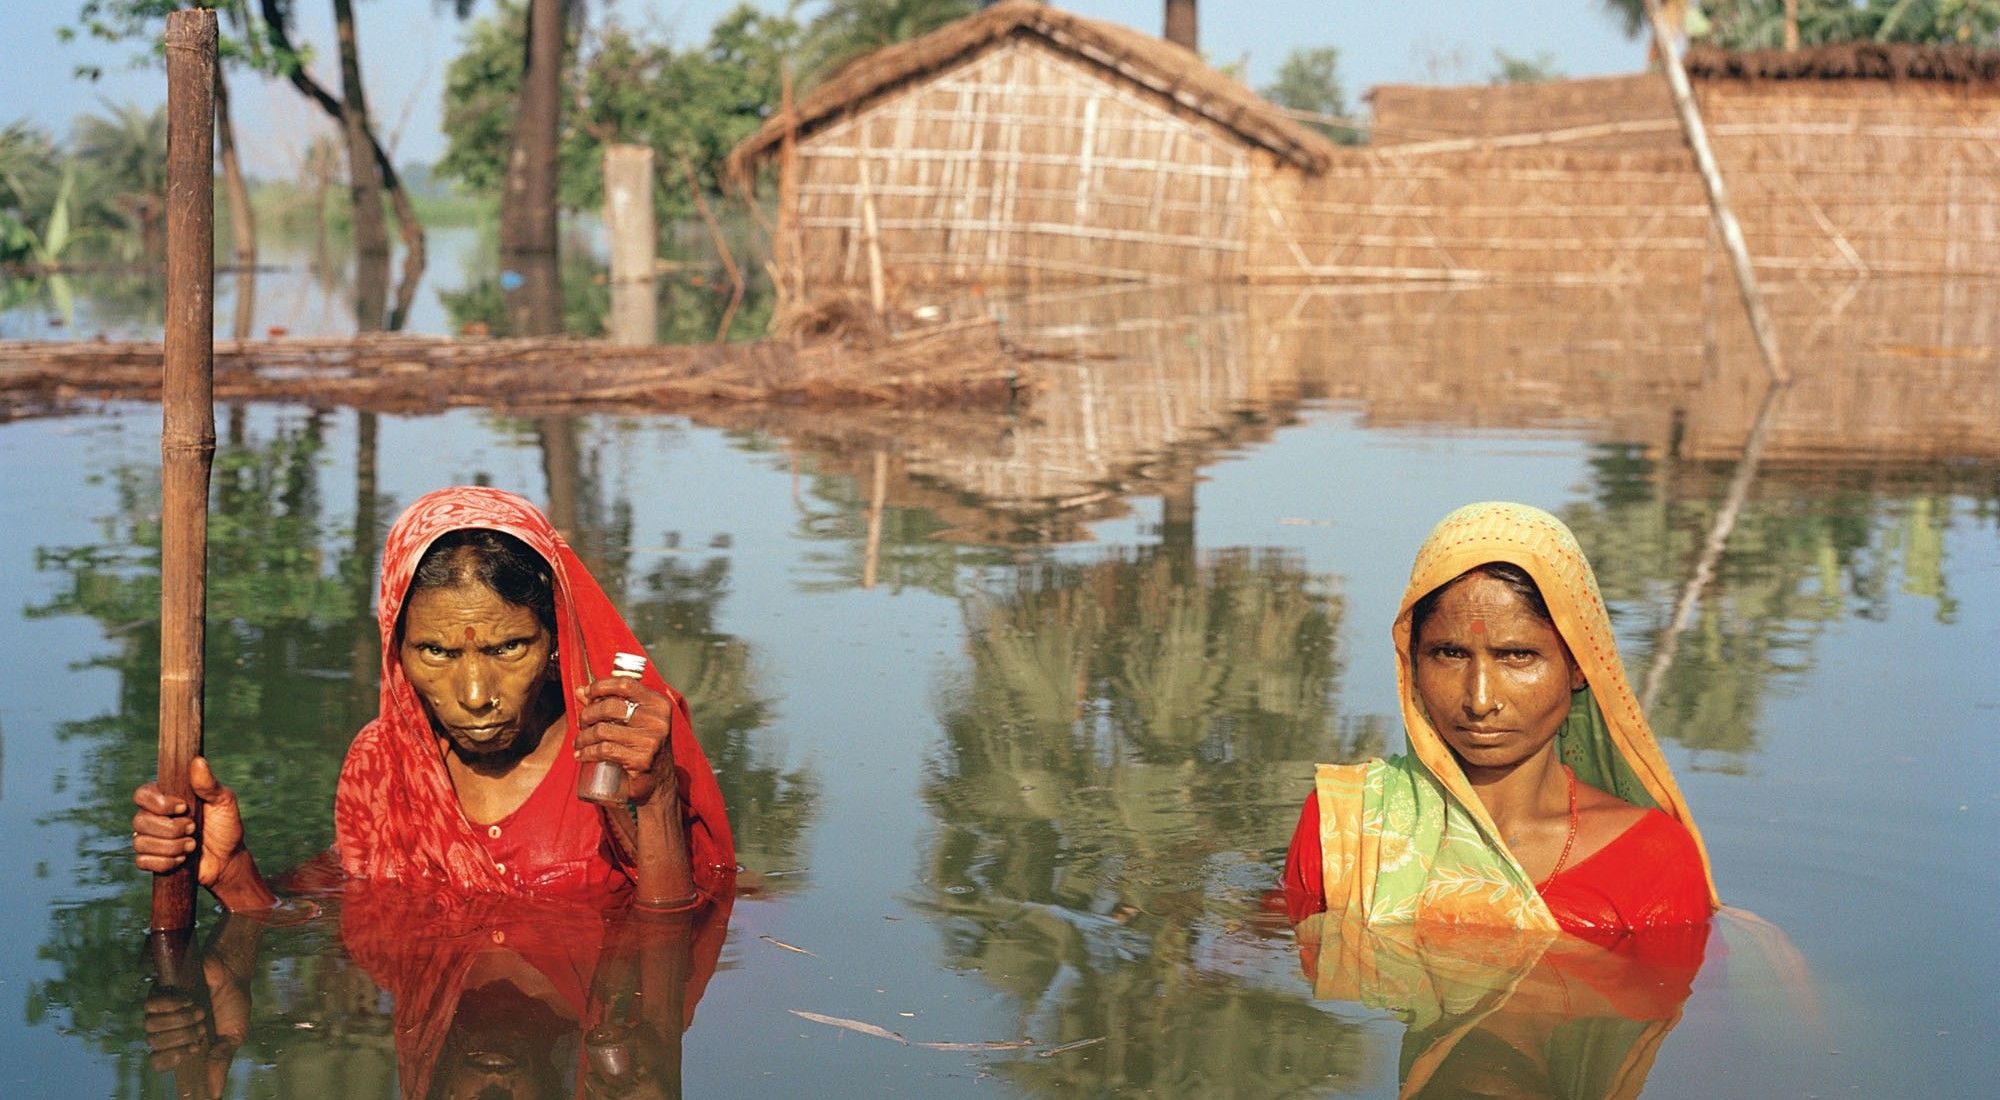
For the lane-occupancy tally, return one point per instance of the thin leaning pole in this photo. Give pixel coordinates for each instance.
(187, 435)
(1718, 200)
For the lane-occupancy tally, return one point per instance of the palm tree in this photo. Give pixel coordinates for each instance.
(1632, 13)
(126, 152)
(849, 29)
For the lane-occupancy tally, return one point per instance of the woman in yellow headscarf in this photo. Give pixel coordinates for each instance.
(1533, 795)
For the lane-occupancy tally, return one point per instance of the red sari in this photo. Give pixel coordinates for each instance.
(395, 815)
(1649, 876)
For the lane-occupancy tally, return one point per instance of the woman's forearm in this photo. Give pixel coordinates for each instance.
(665, 877)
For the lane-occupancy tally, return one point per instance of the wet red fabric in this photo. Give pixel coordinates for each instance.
(1650, 876)
(427, 951)
(395, 814)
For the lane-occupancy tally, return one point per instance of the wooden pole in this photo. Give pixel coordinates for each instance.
(187, 435)
(1718, 201)
(790, 245)
(871, 239)
(878, 497)
(721, 248)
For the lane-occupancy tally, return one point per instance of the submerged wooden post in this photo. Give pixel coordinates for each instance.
(629, 222)
(871, 240)
(790, 245)
(187, 435)
(721, 248)
(1718, 202)
(878, 498)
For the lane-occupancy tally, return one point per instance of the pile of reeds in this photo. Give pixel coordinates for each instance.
(959, 363)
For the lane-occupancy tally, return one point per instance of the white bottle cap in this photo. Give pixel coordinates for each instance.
(628, 664)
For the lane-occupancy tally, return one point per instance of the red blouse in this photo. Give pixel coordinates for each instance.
(555, 844)
(1650, 876)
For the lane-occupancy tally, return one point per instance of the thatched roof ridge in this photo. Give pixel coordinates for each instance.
(1849, 61)
(1153, 63)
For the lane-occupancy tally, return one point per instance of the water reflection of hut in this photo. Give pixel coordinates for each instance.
(1026, 144)
(1140, 387)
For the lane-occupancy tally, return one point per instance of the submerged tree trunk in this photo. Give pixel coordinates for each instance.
(1181, 21)
(276, 24)
(371, 234)
(528, 205)
(242, 223)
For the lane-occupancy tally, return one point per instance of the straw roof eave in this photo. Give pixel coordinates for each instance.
(1849, 61)
(1159, 66)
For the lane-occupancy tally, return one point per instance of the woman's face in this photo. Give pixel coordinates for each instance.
(480, 665)
(1494, 678)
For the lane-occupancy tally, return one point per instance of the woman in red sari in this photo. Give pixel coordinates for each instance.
(496, 691)
(1533, 795)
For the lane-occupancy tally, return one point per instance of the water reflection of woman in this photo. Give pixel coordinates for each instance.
(1507, 1013)
(1533, 795)
(496, 691)
(498, 996)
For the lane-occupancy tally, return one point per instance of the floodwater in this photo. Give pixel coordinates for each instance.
(1014, 718)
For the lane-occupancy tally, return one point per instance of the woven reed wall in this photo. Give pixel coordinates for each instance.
(1828, 177)
(1482, 217)
(1023, 166)
(1862, 177)
(1404, 114)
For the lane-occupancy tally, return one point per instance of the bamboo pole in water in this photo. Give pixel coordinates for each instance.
(187, 435)
(721, 248)
(1711, 552)
(1718, 199)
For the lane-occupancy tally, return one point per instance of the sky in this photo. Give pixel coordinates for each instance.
(406, 45)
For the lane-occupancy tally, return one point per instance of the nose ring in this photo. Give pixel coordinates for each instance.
(631, 708)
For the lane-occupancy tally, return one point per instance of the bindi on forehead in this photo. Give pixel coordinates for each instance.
(469, 635)
(1478, 626)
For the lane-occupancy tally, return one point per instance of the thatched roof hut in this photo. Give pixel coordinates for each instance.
(1024, 144)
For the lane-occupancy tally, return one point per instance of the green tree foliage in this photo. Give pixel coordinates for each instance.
(697, 102)
(124, 152)
(1509, 69)
(31, 192)
(850, 29)
(1760, 24)
(1309, 80)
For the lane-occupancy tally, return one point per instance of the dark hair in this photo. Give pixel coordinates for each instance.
(1513, 576)
(494, 560)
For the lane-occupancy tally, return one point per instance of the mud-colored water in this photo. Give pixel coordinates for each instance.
(1014, 719)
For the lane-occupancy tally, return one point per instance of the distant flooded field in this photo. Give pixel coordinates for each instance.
(1014, 716)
